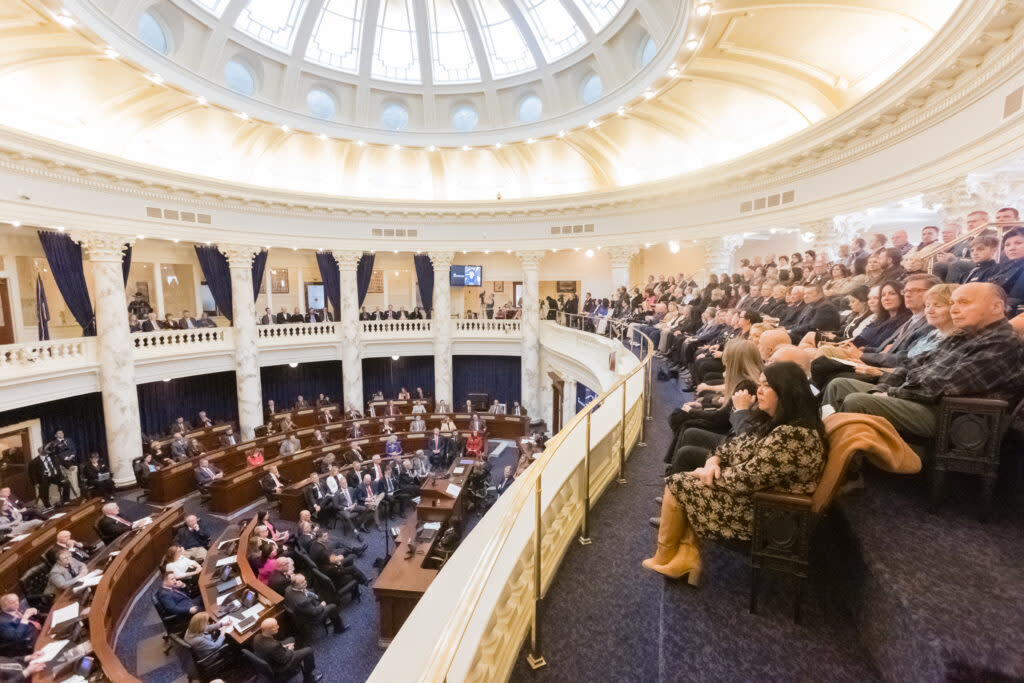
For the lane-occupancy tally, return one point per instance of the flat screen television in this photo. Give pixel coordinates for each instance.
(465, 276)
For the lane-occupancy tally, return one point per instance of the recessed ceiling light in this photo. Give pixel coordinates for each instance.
(360, 142)
(285, 128)
(530, 141)
(647, 245)
(621, 111)
(175, 240)
(64, 18)
(201, 101)
(692, 44)
(599, 247)
(592, 124)
(561, 133)
(293, 365)
(673, 72)
(242, 115)
(156, 78)
(295, 248)
(508, 251)
(140, 237)
(673, 247)
(590, 253)
(111, 53)
(648, 94)
(497, 145)
(167, 379)
(395, 357)
(396, 146)
(465, 148)
(321, 137)
(575, 248)
(703, 9)
(16, 224)
(431, 148)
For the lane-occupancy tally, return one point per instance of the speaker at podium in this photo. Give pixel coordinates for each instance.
(480, 402)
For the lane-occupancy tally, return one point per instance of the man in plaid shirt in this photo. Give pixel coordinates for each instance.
(982, 359)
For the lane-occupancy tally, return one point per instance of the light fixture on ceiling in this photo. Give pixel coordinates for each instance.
(561, 133)
(208, 243)
(295, 248)
(465, 148)
(808, 236)
(703, 9)
(463, 251)
(293, 365)
(155, 78)
(621, 111)
(64, 18)
(590, 253)
(60, 228)
(497, 145)
(286, 128)
(111, 53)
(322, 137)
(201, 101)
(647, 245)
(396, 146)
(692, 44)
(648, 94)
(673, 71)
(487, 251)
(673, 247)
(591, 123)
(431, 148)
(508, 251)
(396, 272)
(175, 240)
(16, 224)
(599, 247)
(140, 237)
(360, 142)
(395, 357)
(242, 115)
(530, 141)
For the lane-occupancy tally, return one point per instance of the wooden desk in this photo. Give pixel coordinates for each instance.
(209, 437)
(20, 556)
(208, 585)
(435, 504)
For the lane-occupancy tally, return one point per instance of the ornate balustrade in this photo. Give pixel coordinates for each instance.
(482, 327)
(56, 354)
(292, 333)
(169, 342)
(396, 329)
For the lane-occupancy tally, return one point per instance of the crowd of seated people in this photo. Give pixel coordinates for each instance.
(390, 313)
(142, 318)
(312, 315)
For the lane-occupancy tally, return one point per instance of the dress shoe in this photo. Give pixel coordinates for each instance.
(359, 537)
(340, 628)
(654, 521)
(658, 500)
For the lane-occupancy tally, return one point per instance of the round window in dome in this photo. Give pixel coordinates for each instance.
(152, 33)
(530, 109)
(321, 104)
(647, 51)
(592, 89)
(395, 117)
(239, 78)
(465, 118)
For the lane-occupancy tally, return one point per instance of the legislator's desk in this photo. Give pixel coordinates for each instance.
(269, 598)
(19, 556)
(128, 564)
(407, 576)
(404, 406)
(304, 417)
(208, 437)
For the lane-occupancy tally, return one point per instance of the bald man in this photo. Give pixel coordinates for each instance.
(982, 359)
(787, 353)
(769, 341)
(282, 656)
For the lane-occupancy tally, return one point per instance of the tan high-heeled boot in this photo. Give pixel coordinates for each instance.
(686, 561)
(670, 531)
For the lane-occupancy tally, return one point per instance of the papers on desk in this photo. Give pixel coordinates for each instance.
(224, 543)
(253, 611)
(64, 614)
(58, 515)
(459, 470)
(453, 490)
(19, 537)
(435, 526)
(75, 679)
(139, 523)
(465, 461)
(50, 650)
(230, 559)
(92, 578)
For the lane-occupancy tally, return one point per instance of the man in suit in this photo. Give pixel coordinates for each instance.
(282, 657)
(338, 567)
(366, 495)
(392, 409)
(228, 438)
(268, 317)
(64, 573)
(270, 411)
(14, 501)
(296, 316)
(179, 447)
(112, 524)
(301, 403)
(65, 455)
(194, 539)
(506, 480)
(309, 609)
(495, 408)
(517, 409)
(179, 426)
(66, 543)
(819, 314)
(206, 474)
(417, 424)
(353, 454)
(437, 446)
(324, 417)
(319, 439)
(195, 449)
(46, 473)
(97, 477)
(174, 599)
(318, 498)
(151, 324)
(356, 431)
(187, 322)
(272, 482)
(202, 420)
(350, 510)
(281, 578)
(353, 414)
(289, 445)
(476, 424)
(20, 625)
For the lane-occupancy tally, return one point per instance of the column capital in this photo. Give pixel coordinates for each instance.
(441, 260)
(531, 259)
(348, 259)
(239, 255)
(955, 198)
(620, 257)
(102, 246)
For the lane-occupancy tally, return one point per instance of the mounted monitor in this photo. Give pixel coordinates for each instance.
(465, 276)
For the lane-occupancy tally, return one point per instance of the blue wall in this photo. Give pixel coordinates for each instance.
(283, 383)
(81, 418)
(497, 376)
(160, 403)
(389, 376)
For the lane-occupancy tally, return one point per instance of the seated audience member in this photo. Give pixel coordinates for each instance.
(318, 439)
(205, 636)
(112, 524)
(281, 577)
(286, 425)
(890, 313)
(495, 408)
(304, 532)
(352, 513)
(203, 421)
(271, 482)
(18, 504)
(283, 657)
(195, 449)
(476, 423)
(278, 537)
(367, 496)
(64, 573)
(437, 447)
(353, 414)
(443, 407)
(1010, 275)
(983, 253)
(309, 610)
(393, 447)
(418, 408)
(77, 549)
(448, 428)
(270, 410)
(301, 403)
(193, 539)
(403, 394)
(356, 431)
(20, 625)
(173, 597)
(169, 323)
(228, 438)
(338, 567)
(179, 426)
(179, 447)
(784, 449)
(417, 424)
(388, 426)
(206, 321)
(96, 477)
(318, 499)
(151, 324)
(12, 521)
(324, 417)
(819, 314)
(983, 358)
(893, 351)
(254, 456)
(289, 446)
(475, 444)
(179, 564)
(206, 474)
(134, 324)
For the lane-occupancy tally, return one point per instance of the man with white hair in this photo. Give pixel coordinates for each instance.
(282, 656)
(112, 524)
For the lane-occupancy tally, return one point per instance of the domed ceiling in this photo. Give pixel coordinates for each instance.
(444, 99)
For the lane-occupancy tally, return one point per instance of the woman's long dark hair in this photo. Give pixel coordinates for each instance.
(797, 406)
(883, 314)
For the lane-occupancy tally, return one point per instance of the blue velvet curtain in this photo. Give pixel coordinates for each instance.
(42, 310)
(65, 258)
(331, 279)
(282, 383)
(81, 418)
(425, 280)
(389, 376)
(259, 264)
(126, 262)
(584, 395)
(218, 277)
(496, 376)
(160, 403)
(364, 271)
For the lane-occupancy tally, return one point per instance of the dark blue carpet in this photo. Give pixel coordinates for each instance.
(350, 656)
(606, 618)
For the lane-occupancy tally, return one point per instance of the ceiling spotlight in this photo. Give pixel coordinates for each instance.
(590, 253)
(673, 247)
(396, 146)
(16, 224)
(396, 357)
(554, 251)
(396, 272)
(561, 133)
(156, 78)
(592, 124)
(64, 18)
(673, 72)
(487, 251)
(242, 115)
(167, 379)
(692, 44)
(508, 251)
(321, 137)
(575, 248)
(621, 111)
(431, 149)
(293, 365)
(497, 145)
(140, 237)
(465, 148)
(295, 248)
(175, 240)
(648, 94)
(530, 141)
(360, 143)
(111, 53)
(703, 9)
(599, 247)
(647, 245)
(201, 101)
(285, 128)
(463, 251)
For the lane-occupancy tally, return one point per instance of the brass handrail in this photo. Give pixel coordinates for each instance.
(929, 253)
(450, 638)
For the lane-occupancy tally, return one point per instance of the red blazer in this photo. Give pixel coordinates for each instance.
(475, 444)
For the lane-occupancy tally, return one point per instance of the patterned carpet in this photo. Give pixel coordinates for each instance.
(348, 657)
(606, 618)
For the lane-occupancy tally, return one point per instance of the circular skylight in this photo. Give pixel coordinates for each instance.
(152, 33)
(321, 104)
(239, 77)
(464, 118)
(647, 52)
(592, 89)
(395, 117)
(530, 109)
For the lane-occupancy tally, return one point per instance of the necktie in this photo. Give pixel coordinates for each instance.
(369, 491)
(48, 466)
(348, 498)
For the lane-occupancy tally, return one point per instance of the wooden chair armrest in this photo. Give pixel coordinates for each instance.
(981, 404)
(780, 499)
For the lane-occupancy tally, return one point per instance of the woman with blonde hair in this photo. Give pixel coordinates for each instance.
(199, 635)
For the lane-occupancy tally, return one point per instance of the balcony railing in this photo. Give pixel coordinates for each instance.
(200, 339)
(396, 329)
(296, 333)
(42, 356)
(482, 327)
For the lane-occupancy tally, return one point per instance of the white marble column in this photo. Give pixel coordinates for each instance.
(247, 366)
(530, 353)
(568, 401)
(117, 359)
(718, 253)
(158, 287)
(302, 289)
(197, 282)
(441, 325)
(351, 329)
(953, 201)
(829, 235)
(620, 258)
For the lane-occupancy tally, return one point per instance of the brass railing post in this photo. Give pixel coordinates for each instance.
(535, 659)
(622, 445)
(643, 405)
(585, 528)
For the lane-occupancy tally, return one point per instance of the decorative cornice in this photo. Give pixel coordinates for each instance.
(348, 259)
(442, 261)
(620, 257)
(238, 255)
(102, 246)
(531, 259)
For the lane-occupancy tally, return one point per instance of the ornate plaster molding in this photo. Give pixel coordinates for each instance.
(102, 246)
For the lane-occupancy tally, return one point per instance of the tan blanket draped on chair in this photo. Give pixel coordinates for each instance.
(874, 436)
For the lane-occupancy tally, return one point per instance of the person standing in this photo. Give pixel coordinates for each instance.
(66, 457)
